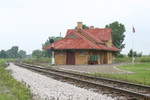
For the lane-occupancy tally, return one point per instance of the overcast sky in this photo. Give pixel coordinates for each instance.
(28, 23)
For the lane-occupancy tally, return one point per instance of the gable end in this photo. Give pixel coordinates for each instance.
(72, 36)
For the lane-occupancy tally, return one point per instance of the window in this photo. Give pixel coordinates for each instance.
(81, 52)
(60, 52)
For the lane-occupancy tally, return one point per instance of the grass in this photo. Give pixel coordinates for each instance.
(37, 61)
(141, 76)
(11, 89)
(129, 59)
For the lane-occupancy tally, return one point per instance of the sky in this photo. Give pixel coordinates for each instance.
(29, 23)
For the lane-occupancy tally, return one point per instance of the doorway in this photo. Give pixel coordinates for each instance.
(70, 57)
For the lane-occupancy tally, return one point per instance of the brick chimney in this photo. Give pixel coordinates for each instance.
(79, 25)
(91, 27)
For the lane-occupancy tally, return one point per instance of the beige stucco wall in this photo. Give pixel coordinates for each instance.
(109, 57)
(60, 59)
(81, 59)
(103, 56)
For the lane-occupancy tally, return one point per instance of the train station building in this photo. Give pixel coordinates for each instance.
(85, 46)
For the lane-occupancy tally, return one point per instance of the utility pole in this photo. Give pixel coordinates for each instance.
(60, 34)
(132, 47)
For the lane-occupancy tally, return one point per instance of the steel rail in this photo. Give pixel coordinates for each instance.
(92, 77)
(47, 70)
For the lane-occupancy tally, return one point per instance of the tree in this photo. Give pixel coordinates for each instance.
(139, 54)
(48, 40)
(118, 30)
(3, 54)
(47, 53)
(14, 51)
(21, 54)
(29, 56)
(121, 55)
(37, 53)
(84, 26)
(131, 52)
(9, 53)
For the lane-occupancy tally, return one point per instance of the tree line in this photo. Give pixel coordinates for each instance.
(14, 52)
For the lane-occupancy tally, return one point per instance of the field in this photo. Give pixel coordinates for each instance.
(141, 76)
(10, 89)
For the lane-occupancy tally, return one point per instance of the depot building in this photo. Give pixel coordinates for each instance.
(85, 46)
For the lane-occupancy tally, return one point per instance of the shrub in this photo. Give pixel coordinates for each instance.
(17, 90)
(2, 61)
(129, 59)
(144, 59)
(125, 59)
(28, 60)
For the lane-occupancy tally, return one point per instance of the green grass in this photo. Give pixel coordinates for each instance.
(141, 76)
(37, 60)
(2, 61)
(11, 89)
(142, 72)
(129, 59)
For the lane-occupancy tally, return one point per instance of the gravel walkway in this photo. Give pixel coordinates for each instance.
(45, 88)
(103, 68)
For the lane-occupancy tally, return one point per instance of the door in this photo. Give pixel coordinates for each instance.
(70, 57)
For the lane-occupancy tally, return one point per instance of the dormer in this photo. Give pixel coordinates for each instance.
(109, 42)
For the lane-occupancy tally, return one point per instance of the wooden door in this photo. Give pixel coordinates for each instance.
(70, 57)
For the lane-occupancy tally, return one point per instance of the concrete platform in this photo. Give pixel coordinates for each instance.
(102, 68)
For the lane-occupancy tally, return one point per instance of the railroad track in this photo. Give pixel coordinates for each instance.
(112, 87)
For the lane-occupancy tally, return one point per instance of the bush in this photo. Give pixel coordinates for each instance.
(17, 90)
(143, 59)
(125, 59)
(129, 59)
(37, 60)
(2, 62)
(28, 60)
(121, 55)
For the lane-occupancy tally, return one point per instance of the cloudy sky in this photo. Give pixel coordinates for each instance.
(28, 23)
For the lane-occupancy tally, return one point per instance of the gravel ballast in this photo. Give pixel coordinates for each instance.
(43, 87)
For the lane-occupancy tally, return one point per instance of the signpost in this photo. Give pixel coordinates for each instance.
(52, 50)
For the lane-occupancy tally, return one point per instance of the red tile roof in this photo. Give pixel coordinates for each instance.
(99, 34)
(73, 44)
(83, 42)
